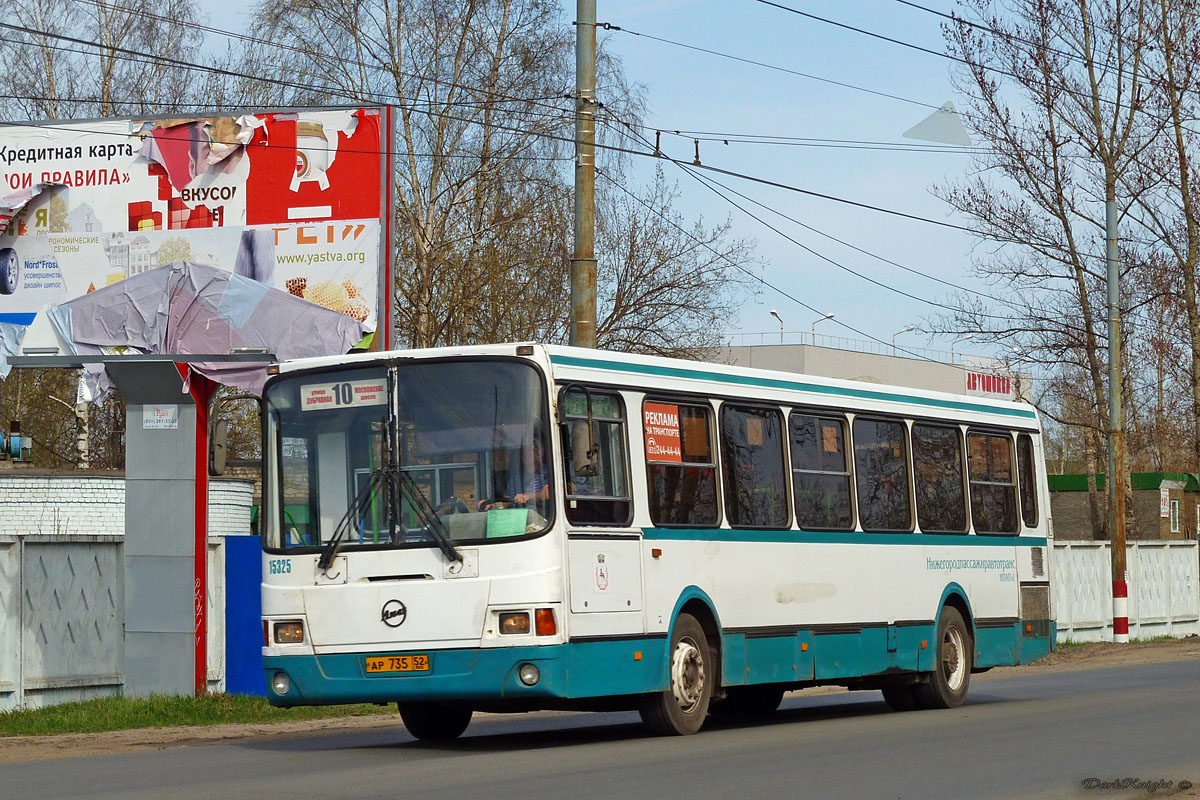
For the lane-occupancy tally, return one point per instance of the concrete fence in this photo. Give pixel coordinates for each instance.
(62, 593)
(1164, 589)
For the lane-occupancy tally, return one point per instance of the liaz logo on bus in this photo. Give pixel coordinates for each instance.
(394, 613)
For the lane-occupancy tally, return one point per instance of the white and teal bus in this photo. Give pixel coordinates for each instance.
(520, 527)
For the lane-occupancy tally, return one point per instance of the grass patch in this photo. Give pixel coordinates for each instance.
(123, 713)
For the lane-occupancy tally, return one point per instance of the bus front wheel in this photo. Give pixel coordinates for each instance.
(947, 685)
(680, 710)
(432, 722)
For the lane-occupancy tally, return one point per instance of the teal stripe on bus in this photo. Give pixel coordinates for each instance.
(778, 383)
(850, 537)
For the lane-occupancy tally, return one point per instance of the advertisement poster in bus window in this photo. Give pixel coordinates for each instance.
(293, 199)
(661, 425)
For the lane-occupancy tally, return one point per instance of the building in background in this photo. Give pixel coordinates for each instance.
(865, 361)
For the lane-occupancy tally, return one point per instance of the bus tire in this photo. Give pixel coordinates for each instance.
(900, 698)
(691, 665)
(747, 701)
(434, 722)
(947, 684)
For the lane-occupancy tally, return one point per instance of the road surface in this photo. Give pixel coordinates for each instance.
(1022, 735)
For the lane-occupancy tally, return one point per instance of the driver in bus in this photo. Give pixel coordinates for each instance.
(527, 481)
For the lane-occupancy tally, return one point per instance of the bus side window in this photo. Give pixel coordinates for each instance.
(881, 474)
(602, 497)
(1028, 481)
(938, 478)
(753, 467)
(680, 464)
(821, 473)
(993, 483)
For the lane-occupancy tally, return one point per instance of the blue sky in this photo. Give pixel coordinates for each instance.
(698, 91)
(695, 91)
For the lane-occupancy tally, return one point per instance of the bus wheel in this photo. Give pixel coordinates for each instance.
(947, 685)
(433, 722)
(750, 701)
(900, 698)
(681, 709)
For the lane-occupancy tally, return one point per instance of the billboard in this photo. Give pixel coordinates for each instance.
(298, 200)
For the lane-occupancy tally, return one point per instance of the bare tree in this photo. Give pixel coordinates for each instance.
(118, 63)
(1054, 91)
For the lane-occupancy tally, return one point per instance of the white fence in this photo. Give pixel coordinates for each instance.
(1164, 589)
(62, 594)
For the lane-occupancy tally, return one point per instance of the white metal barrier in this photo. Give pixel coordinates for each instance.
(1164, 589)
(62, 603)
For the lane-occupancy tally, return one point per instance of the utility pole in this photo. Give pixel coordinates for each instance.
(583, 262)
(1116, 431)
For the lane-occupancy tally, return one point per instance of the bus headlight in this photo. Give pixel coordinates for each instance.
(291, 632)
(529, 674)
(281, 683)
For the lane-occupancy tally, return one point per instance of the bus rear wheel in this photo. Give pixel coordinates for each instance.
(947, 685)
(680, 710)
(434, 722)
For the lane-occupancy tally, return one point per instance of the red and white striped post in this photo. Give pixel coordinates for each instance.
(1120, 610)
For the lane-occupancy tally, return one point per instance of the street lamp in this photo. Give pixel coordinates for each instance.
(897, 333)
(956, 341)
(775, 314)
(814, 327)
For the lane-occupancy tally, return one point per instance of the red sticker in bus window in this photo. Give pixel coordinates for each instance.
(661, 423)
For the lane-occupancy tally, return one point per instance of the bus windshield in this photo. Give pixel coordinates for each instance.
(466, 440)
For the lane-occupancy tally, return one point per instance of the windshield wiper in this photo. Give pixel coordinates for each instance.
(425, 513)
(356, 510)
(398, 483)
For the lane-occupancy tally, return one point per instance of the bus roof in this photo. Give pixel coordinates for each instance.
(660, 373)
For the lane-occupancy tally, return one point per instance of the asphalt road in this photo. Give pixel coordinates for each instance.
(1025, 736)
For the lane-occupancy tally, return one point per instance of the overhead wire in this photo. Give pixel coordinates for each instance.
(704, 181)
(861, 250)
(763, 281)
(303, 51)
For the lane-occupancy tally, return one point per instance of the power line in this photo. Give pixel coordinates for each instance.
(965, 114)
(759, 278)
(1012, 37)
(858, 249)
(137, 56)
(1080, 96)
(305, 52)
(509, 128)
(872, 34)
(775, 67)
(706, 183)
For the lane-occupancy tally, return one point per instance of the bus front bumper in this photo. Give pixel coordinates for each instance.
(564, 671)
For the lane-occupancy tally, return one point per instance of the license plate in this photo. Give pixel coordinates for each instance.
(417, 663)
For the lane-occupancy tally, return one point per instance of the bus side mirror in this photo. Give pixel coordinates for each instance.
(218, 446)
(584, 455)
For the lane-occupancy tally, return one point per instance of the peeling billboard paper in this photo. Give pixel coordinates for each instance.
(187, 309)
(294, 200)
(10, 345)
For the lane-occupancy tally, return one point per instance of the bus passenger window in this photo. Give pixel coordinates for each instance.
(938, 479)
(680, 464)
(881, 475)
(602, 497)
(821, 473)
(754, 473)
(993, 483)
(1028, 482)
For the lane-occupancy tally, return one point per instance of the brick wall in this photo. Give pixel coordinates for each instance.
(92, 504)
